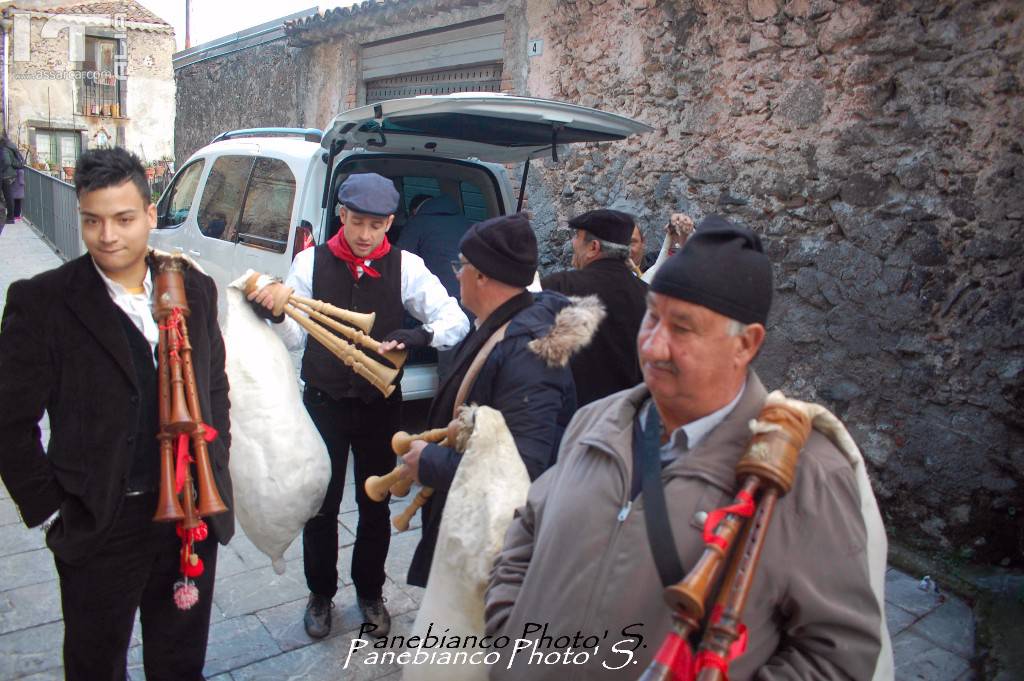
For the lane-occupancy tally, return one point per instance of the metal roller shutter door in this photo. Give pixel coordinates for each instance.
(483, 78)
(464, 58)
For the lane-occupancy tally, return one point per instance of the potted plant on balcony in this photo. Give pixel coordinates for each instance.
(69, 173)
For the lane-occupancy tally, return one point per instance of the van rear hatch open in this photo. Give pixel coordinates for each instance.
(487, 126)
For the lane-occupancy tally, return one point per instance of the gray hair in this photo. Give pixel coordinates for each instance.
(609, 249)
(735, 328)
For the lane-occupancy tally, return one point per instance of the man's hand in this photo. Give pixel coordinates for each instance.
(406, 338)
(411, 459)
(680, 227)
(267, 298)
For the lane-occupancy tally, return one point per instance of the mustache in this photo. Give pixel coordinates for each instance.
(663, 365)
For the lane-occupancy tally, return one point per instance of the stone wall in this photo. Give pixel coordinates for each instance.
(257, 87)
(877, 147)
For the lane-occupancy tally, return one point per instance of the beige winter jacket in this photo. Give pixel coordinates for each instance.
(577, 558)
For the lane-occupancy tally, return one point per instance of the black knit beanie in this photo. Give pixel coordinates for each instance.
(503, 248)
(721, 267)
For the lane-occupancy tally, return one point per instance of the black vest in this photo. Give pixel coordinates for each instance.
(333, 283)
(146, 455)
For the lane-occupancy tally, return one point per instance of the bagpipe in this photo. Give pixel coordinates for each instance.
(490, 483)
(377, 487)
(181, 499)
(765, 473)
(279, 463)
(323, 322)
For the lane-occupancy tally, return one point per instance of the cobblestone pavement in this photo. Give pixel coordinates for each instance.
(256, 632)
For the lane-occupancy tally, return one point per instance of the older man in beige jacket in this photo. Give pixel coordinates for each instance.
(577, 590)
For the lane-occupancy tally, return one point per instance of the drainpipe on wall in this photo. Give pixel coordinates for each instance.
(6, 25)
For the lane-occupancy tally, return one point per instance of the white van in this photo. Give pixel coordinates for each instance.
(254, 198)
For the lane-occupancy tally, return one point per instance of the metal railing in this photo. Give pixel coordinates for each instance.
(52, 206)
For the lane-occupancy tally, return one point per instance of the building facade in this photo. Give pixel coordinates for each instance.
(89, 74)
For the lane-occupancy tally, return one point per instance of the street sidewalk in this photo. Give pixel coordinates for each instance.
(256, 632)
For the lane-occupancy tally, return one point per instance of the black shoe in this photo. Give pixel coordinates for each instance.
(318, 616)
(374, 612)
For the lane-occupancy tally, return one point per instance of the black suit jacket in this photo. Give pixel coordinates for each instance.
(609, 364)
(63, 350)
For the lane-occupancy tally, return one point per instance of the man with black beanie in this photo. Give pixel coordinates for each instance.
(515, 361)
(600, 249)
(579, 557)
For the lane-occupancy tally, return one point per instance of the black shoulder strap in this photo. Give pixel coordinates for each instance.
(659, 529)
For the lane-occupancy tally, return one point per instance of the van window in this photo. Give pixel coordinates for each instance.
(414, 186)
(223, 195)
(267, 213)
(474, 206)
(178, 199)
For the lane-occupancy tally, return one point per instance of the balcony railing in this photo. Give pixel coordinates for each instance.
(102, 99)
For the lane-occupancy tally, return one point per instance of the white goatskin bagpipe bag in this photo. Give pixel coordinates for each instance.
(490, 484)
(279, 463)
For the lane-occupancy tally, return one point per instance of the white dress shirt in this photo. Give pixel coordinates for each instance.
(138, 306)
(423, 296)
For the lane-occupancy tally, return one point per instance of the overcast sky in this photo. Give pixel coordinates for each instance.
(215, 18)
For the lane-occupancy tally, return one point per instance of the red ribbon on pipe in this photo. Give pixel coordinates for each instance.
(744, 509)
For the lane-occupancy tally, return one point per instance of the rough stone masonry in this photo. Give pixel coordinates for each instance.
(875, 144)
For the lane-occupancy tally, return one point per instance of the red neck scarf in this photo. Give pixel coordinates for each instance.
(356, 265)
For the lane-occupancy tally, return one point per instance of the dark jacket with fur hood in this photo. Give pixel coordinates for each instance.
(526, 377)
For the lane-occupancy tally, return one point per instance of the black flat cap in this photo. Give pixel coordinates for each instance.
(608, 225)
(722, 267)
(369, 193)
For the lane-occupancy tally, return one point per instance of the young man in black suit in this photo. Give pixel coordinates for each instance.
(78, 342)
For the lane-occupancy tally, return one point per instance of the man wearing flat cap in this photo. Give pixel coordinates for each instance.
(623, 512)
(358, 270)
(600, 248)
(515, 361)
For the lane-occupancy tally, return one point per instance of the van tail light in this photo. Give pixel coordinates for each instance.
(303, 238)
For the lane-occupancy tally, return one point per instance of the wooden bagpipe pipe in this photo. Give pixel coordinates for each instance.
(765, 473)
(324, 321)
(181, 426)
(377, 487)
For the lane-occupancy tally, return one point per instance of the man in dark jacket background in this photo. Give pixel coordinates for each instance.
(433, 233)
(600, 247)
(529, 383)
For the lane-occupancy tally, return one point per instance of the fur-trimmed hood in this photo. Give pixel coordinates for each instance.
(574, 328)
(561, 326)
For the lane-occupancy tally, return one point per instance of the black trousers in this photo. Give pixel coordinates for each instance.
(135, 569)
(367, 429)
